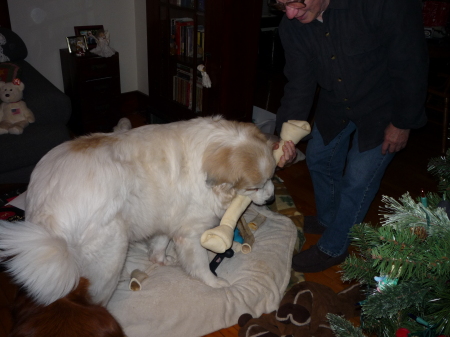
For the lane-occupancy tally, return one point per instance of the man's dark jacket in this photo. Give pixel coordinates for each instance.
(370, 59)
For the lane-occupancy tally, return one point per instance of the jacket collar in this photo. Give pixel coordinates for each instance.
(338, 4)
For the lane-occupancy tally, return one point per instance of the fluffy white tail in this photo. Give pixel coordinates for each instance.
(39, 260)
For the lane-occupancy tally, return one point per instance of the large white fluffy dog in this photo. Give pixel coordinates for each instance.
(88, 198)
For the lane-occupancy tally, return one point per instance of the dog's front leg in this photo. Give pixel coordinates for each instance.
(157, 247)
(194, 259)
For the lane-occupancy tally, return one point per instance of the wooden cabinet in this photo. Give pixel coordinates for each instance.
(224, 38)
(93, 85)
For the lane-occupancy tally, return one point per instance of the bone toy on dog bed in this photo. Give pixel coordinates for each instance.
(244, 246)
(247, 235)
(220, 238)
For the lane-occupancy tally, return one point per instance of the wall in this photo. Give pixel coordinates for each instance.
(45, 24)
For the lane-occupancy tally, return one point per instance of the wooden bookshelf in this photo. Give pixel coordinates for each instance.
(229, 53)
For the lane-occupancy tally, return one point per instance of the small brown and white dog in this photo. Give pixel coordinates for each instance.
(88, 198)
(71, 316)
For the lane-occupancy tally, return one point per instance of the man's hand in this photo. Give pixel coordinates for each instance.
(395, 139)
(289, 153)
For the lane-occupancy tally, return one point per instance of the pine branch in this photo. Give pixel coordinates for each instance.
(398, 253)
(440, 168)
(405, 255)
(439, 309)
(408, 213)
(343, 328)
(365, 237)
(393, 299)
(356, 268)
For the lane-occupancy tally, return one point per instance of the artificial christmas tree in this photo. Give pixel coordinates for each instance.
(405, 265)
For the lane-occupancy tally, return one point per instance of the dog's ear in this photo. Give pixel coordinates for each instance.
(217, 164)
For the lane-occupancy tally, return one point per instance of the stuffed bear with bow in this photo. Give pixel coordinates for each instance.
(14, 113)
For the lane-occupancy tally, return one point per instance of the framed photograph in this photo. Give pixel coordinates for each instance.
(77, 44)
(89, 32)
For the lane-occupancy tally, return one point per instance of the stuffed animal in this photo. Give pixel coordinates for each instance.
(302, 312)
(14, 113)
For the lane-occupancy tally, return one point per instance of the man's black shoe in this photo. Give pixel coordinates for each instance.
(311, 225)
(313, 260)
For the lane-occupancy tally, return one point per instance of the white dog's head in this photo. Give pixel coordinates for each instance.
(240, 160)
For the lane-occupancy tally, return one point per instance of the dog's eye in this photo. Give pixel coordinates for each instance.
(252, 189)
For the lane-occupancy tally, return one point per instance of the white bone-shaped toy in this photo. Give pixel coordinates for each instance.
(220, 238)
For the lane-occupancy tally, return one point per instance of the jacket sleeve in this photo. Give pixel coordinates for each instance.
(300, 73)
(402, 26)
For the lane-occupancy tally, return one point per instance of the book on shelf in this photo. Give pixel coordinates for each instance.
(182, 85)
(189, 45)
(183, 3)
(200, 41)
(181, 35)
(201, 5)
(176, 25)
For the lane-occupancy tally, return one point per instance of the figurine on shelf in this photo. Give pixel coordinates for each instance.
(103, 49)
(81, 48)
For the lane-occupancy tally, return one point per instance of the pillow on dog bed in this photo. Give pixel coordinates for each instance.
(171, 303)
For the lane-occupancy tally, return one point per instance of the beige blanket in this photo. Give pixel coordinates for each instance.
(171, 303)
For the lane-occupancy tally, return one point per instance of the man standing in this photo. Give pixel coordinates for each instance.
(370, 60)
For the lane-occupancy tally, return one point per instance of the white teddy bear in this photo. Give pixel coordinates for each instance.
(14, 113)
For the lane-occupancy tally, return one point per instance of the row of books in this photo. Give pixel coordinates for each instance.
(183, 3)
(189, 4)
(183, 87)
(182, 38)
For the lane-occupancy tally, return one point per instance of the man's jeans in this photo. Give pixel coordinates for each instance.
(345, 183)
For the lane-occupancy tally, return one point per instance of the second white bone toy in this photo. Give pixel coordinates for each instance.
(291, 130)
(220, 238)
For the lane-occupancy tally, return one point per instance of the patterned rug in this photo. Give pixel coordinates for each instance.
(284, 204)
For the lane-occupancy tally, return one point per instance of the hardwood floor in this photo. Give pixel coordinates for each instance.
(407, 172)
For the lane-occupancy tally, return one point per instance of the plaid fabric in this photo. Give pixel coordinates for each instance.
(284, 204)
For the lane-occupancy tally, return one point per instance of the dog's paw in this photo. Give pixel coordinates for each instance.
(162, 259)
(218, 282)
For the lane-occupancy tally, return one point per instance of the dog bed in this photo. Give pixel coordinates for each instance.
(171, 303)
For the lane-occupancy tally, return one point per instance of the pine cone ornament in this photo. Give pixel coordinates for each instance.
(419, 231)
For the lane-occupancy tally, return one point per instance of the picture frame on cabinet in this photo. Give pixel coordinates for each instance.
(90, 32)
(77, 44)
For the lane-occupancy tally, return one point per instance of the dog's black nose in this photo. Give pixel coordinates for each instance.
(7, 95)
